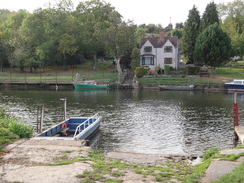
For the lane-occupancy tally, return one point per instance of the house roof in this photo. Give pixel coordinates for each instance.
(157, 43)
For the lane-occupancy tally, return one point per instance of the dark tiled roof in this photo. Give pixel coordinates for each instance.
(157, 43)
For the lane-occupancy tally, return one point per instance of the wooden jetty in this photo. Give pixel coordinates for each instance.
(240, 133)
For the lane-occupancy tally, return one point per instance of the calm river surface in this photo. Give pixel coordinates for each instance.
(155, 122)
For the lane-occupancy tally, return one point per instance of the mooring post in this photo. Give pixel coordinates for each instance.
(42, 115)
(37, 119)
(236, 115)
(65, 107)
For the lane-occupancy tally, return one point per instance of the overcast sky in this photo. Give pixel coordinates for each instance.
(140, 11)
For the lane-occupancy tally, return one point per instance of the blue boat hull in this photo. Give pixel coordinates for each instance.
(235, 87)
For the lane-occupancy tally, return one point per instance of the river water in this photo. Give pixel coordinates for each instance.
(155, 122)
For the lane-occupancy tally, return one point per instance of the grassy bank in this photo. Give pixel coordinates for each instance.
(103, 71)
(11, 130)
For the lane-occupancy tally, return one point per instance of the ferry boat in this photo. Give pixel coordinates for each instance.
(73, 128)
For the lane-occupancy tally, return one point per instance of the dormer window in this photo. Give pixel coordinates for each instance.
(147, 49)
(168, 49)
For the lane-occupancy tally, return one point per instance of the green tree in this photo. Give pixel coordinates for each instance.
(135, 55)
(210, 16)
(90, 13)
(213, 47)
(118, 38)
(177, 33)
(190, 33)
(179, 25)
(3, 54)
(232, 18)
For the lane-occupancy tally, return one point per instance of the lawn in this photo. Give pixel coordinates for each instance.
(104, 71)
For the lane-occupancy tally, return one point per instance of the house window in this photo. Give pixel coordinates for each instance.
(168, 49)
(147, 49)
(147, 60)
(167, 60)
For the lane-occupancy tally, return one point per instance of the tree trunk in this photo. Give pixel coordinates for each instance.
(94, 61)
(117, 60)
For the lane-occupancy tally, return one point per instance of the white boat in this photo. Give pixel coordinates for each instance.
(235, 85)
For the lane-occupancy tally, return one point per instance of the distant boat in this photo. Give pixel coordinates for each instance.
(236, 85)
(177, 88)
(74, 128)
(89, 85)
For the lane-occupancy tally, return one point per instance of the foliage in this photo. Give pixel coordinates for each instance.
(176, 81)
(232, 18)
(118, 37)
(210, 16)
(167, 69)
(213, 47)
(21, 129)
(192, 70)
(190, 33)
(135, 62)
(141, 71)
(177, 33)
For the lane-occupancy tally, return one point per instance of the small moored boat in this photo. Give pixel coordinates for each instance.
(177, 88)
(91, 84)
(74, 128)
(236, 85)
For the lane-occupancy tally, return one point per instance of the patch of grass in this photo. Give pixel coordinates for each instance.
(67, 151)
(92, 176)
(236, 176)
(117, 173)
(114, 181)
(239, 147)
(211, 153)
(11, 130)
(233, 157)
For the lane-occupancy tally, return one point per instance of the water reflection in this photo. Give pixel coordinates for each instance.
(139, 121)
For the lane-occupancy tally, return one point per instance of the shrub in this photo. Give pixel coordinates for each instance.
(192, 70)
(21, 129)
(167, 69)
(141, 71)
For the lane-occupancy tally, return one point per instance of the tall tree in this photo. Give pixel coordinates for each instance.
(232, 17)
(213, 47)
(190, 33)
(210, 16)
(118, 38)
(90, 13)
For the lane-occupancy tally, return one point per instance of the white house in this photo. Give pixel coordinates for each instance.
(160, 51)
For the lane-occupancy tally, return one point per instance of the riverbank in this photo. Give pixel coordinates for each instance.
(39, 161)
(69, 86)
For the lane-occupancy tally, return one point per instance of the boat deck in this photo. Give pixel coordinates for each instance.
(240, 133)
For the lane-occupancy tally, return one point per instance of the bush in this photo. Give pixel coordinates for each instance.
(192, 70)
(167, 69)
(141, 71)
(21, 129)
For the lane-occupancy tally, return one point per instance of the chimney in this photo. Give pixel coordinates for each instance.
(161, 34)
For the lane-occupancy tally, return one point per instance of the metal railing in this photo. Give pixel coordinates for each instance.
(87, 122)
